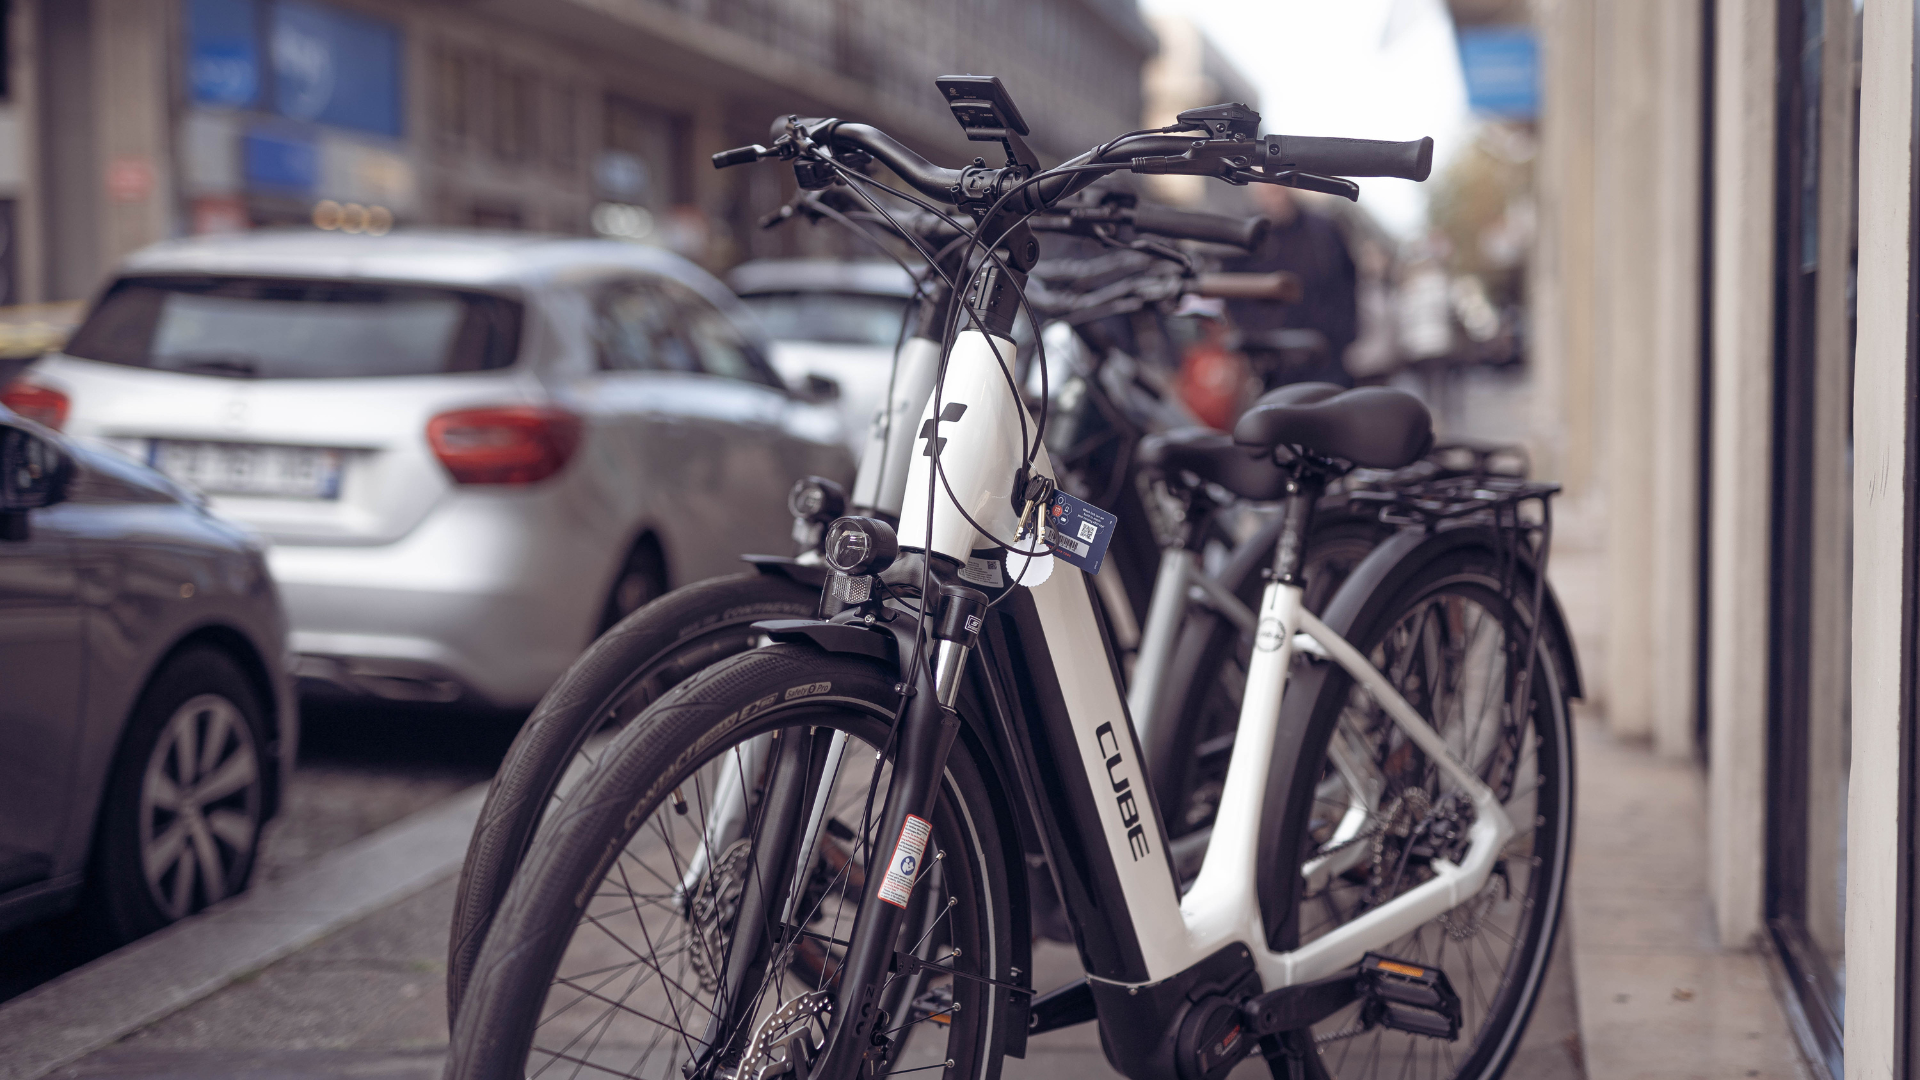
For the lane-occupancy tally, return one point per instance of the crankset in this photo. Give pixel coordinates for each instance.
(1399, 995)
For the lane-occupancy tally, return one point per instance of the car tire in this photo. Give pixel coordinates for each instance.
(187, 795)
(642, 579)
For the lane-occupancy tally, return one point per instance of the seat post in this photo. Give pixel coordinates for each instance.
(1302, 491)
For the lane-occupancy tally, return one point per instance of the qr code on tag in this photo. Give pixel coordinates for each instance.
(1088, 531)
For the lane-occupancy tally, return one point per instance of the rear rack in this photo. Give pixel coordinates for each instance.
(1430, 496)
(1430, 500)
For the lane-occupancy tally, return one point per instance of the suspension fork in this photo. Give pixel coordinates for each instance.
(799, 757)
(926, 736)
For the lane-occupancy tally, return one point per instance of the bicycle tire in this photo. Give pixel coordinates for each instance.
(632, 664)
(1448, 585)
(653, 767)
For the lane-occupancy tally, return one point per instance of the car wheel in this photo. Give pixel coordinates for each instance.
(642, 578)
(180, 825)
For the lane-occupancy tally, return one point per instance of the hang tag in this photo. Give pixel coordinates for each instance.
(1078, 531)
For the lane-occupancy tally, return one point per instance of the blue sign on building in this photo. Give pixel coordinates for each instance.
(1502, 69)
(282, 162)
(335, 67)
(310, 61)
(223, 52)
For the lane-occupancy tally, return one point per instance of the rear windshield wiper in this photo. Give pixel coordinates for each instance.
(236, 365)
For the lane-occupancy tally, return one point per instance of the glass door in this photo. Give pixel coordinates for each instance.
(1809, 729)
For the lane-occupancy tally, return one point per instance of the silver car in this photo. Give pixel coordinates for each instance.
(834, 319)
(471, 452)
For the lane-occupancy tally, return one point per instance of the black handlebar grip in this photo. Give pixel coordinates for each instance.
(1350, 157)
(739, 155)
(1188, 225)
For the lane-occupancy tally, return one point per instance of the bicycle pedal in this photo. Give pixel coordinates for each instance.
(1410, 997)
(934, 1006)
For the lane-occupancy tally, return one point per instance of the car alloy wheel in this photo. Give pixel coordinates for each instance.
(200, 805)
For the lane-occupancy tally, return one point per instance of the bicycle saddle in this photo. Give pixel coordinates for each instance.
(1373, 426)
(1212, 456)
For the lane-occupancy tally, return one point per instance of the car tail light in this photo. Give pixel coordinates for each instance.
(41, 404)
(517, 444)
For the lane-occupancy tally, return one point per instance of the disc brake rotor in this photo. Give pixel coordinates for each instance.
(769, 1052)
(715, 905)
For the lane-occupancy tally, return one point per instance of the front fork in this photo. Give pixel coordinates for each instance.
(856, 1039)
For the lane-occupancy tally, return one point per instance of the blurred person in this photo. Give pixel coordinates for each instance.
(1307, 341)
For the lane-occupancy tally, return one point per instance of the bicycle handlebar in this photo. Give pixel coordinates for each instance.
(1278, 285)
(1295, 160)
(1350, 157)
(1244, 233)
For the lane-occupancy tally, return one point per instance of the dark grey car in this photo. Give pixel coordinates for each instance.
(146, 720)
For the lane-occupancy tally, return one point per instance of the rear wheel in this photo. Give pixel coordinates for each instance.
(665, 878)
(1453, 643)
(629, 667)
(1211, 677)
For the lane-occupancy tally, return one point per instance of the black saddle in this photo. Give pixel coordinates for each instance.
(1212, 456)
(1373, 426)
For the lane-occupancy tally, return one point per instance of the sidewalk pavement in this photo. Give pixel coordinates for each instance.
(1658, 997)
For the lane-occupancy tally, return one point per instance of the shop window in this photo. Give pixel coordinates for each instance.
(452, 121)
(1809, 749)
(515, 123)
(645, 158)
(562, 127)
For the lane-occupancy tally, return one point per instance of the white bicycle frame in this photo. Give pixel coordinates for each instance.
(980, 456)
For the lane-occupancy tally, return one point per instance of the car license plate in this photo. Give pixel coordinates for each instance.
(217, 468)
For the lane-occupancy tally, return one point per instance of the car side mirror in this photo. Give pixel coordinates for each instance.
(819, 389)
(33, 474)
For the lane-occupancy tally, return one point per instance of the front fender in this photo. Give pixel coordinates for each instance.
(813, 575)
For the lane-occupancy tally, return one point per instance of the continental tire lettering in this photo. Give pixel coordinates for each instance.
(1122, 790)
(599, 871)
(807, 691)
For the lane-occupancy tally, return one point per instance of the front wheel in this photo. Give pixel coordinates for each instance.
(629, 667)
(692, 899)
(1453, 642)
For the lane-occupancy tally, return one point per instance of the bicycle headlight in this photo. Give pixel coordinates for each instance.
(858, 546)
(816, 499)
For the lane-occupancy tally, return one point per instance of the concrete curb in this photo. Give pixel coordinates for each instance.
(126, 990)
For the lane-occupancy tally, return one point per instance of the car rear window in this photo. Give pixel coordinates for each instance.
(831, 318)
(280, 328)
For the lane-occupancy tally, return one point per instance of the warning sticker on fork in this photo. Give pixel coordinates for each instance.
(897, 885)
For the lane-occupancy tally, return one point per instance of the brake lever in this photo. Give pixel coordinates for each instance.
(803, 204)
(1162, 251)
(1326, 185)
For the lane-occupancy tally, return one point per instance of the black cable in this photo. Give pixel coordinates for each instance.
(972, 236)
(1028, 451)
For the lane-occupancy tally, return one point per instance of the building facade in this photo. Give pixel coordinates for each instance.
(126, 121)
(1725, 296)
